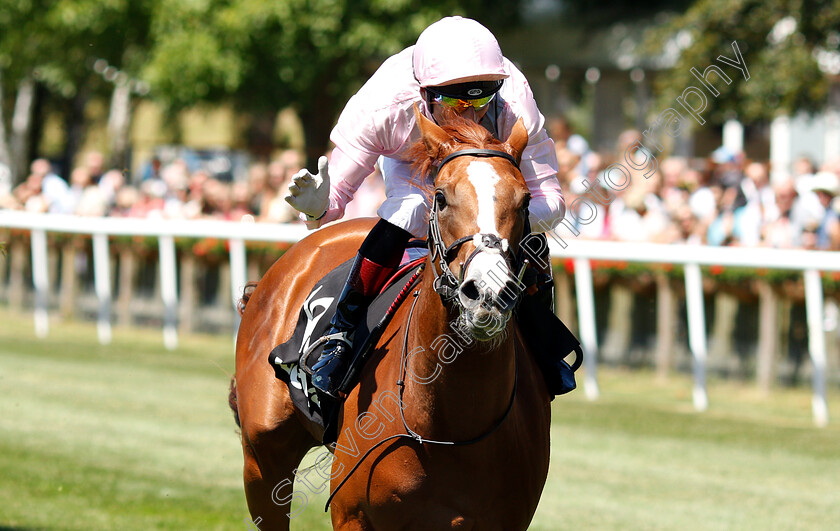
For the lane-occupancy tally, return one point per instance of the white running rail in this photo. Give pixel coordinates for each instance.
(811, 263)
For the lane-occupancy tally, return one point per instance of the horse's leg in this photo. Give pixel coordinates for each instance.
(273, 443)
(275, 437)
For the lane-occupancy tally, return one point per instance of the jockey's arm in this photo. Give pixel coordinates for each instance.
(358, 139)
(346, 176)
(539, 159)
(539, 168)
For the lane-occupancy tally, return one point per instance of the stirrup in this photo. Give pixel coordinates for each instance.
(338, 336)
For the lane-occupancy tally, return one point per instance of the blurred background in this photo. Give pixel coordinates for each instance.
(169, 110)
(173, 110)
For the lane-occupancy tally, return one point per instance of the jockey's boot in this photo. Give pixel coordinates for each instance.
(549, 339)
(363, 284)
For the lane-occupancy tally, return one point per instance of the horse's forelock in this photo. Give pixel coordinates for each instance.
(464, 134)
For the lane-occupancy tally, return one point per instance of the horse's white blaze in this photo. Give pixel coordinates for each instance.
(489, 268)
(484, 179)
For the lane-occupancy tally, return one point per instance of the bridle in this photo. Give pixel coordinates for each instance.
(446, 284)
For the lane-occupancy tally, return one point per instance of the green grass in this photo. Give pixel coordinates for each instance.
(132, 437)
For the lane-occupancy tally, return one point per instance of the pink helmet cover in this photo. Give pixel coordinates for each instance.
(457, 49)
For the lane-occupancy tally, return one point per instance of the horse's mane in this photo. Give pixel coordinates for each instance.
(464, 134)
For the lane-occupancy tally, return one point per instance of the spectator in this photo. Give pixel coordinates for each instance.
(785, 231)
(43, 190)
(150, 200)
(176, 175)
(728, 225)
(258, 186)
(79, 180)
(727, 166)
(826, 187)
(94, 163)
(151, 169)
(274, 209)
(195, 205)
(213, 194)
(685, 229)
(110, 185)
(7, 198)
(566, 140)
(802, 168)
(84, 198)
(673, 192)
(639, 219)
(240, 195)
(125, 199)
(222, 202)
(175, 199)
(591, 225)
(567, 162)
(702, 200)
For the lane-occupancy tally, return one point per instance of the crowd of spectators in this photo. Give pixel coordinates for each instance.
(173, 191)
(723, 199)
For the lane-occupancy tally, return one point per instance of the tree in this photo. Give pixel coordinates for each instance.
(790, 48)
(18, 49)
(265, 55)
(608, 12)
(53, 45)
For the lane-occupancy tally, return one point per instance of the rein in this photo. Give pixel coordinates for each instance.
(401, 383)
(413, 435)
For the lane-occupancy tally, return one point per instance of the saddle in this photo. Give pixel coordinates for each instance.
(313, 322)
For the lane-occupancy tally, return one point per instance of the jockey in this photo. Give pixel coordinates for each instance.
(455, 63)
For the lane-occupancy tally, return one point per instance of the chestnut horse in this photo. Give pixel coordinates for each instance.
(448, 428)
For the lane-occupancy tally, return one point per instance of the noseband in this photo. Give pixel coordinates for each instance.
(446, 283)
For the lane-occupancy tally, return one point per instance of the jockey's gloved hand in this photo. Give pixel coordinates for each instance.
(310, 193)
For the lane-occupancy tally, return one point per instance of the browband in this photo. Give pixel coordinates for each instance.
(476, 153)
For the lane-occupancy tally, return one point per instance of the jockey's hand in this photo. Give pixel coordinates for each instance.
(310, 193)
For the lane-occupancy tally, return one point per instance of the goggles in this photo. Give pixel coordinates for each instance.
(462, 104)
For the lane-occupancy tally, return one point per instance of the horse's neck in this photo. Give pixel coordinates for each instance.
(456, 387)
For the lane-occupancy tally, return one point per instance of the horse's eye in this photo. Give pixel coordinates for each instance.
(441, 200)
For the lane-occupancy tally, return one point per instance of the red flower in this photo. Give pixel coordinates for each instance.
(716, 270)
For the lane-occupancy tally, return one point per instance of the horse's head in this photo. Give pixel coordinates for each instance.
(479, 217)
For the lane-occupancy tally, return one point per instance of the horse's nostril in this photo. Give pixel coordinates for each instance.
(511, 290)
(507, 297)
(470, 290)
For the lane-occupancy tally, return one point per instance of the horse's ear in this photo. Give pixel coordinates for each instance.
(518, 139)
(435, 138)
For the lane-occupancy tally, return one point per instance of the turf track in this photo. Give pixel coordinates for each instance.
(132, 437)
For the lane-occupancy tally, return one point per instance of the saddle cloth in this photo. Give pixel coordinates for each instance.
(312, 324)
